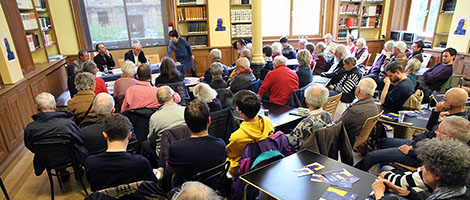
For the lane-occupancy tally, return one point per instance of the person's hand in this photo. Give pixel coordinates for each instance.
(178, 63)
(440, 106)
(395, 189)
(388, 54)
(378, 187)
(387, 80)
(107, 52)
(138, 64)
(442, 115)
(201, 78)
(382, 174)
(405, 148)
(330, 87)
(192, 57)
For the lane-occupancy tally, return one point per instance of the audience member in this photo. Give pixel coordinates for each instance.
(216, 71)
(321, 64)
(121, 85)
(136, 55)
(206, 94)
(169, 115)
(80, 104)
(350, 44)
(411, 68)
(100, 85)
(361, 52)
(104, 60)
(277, 49)
(417, 49)
(287, 49)
(331, 46)
(302, 44)
(279, 83)
(356, 115)
(254, 127)
(215, 56)
(398, 54)
(183, 52)
(241, 45)
(47, 124)
(168, 72)
(192, 190)
(435, 77)
(83, 57)
(454, 103)
(244, 76)
(347, 85)
(393, 100)
(315, 97)
(304, 72)
(199, 152)
(116, 166)
(336, 70)
(377, 68)
(268, 61)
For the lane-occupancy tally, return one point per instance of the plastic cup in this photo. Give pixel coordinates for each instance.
(401, 116)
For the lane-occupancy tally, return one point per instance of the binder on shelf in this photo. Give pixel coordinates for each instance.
(24, 4)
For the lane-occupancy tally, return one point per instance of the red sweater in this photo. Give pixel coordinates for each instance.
(280, 83)
(100, 86)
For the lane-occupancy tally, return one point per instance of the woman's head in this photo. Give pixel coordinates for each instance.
(304, 57)
(85, 81)
(128, 68)
(90, 67)
(413, 66)
(204, 92)
(349, 63)
(321, 46)
(168, 68)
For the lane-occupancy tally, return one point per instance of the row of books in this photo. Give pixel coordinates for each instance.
(370, 22)
(44, 23)
(40, 4)
(191, 13)
(197, 27)
(48, 39)
(197, 40)
(199, 2)
(373, 0)
(24, 4)
(29, 21)
(344, 34)
(33, 41)
(241, 30)
(372, 10)
(348, 22)
(349, 9)
(243, 15)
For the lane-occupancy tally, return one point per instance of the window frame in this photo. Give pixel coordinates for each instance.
(426, 19)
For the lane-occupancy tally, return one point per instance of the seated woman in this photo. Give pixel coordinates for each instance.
(80, 103)
(304, 72)
(320, 59)
(311, 48)
(126, 81)
(411, 68)
(348, 83)
(206, 94)
(277, 49)
(361, 52)
(446, 169)
(168, 72)
(90, 67)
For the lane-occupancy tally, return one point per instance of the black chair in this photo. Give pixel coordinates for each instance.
(226, 98)
(210, 176)
(57, 153)
(140, 118)
(223, 124)
(181, 89)
(4, 190)
(71, 80)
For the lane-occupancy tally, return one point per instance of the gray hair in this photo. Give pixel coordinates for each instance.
(83, 80)
(457, 127)
(247, 53)
(413, 66)
(204, 92)
(367, 86)
(303, 57)
(243, 63)
(90, 66)
(193, 190)
(216, 54)
(350, 60)
(81, 52)
(103, 104)
(303, 41)
(316, 95)
(277, 47)
(216, 69)
(128, 68)
(280, 60)
(400, 45)
(450, 159)
(362, 41)
(165, 94)
(45, 101)
(327, 36)
(322, 45)
(340, 48)
(135, 45)
(389, 45)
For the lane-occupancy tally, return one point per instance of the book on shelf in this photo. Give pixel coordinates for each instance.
(33, 41)
(40, 4)
(44, 23)
(243, 15)
(24, 4)
(197, 40)
(197, 27)
(241, 30)
(372, 21)
(191, 13)
(29, 21)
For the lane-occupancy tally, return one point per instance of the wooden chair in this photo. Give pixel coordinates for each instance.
(368, 58)
(154, 58)
(331, 104)
(367, 128)
(410, 168)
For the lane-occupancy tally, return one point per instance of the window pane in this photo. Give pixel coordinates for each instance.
(432, 18)
(416, 19)
(145, 22)
(276, 17)
(107, 22)
(306, 17)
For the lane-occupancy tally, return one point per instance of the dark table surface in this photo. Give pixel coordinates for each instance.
(418, 122)
(278, 114)
(279, 180)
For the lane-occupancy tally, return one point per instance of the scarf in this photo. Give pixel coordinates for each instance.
(447, 192)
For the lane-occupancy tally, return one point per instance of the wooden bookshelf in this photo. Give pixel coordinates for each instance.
(444, 20)
(192, 24)
(240, 15)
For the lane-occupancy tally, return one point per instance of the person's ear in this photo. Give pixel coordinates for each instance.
(129, 136)
(209, 121)
(105, 135)
(55, 106)
(113, 110)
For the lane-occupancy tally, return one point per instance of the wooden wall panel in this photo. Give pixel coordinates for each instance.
(375, 46)
(27, 105)
(226, 56)
(57, 81)
(201, 60)
(5, 130)
(13, 135)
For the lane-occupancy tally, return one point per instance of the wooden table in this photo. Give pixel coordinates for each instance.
(278, 114)
(116, 73)
(411, 122)
(279, 180)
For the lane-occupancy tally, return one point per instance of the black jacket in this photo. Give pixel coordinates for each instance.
(337, 74)
(129, 55)
(104, 60)
(217, 83)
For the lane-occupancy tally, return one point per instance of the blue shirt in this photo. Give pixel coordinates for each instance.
(183, 53)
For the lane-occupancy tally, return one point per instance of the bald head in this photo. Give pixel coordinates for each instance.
(165, 94)
(243, 63)
(457, 97)
(316, 96)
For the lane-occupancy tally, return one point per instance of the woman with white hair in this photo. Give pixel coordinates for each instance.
(320, 58)
(126, 81)
(277, 49)
(206, 94)
(374, 71)
(411, 68)
(362, 52)
(90, 67)
(79, 104)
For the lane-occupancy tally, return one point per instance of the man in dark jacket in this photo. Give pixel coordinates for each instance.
(136, 52)
(47, 123)
(417, 49)
(336, 69)
(103, 58)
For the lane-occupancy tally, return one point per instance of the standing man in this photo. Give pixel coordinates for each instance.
(136, 55)
(183, 52)
(82, 59)
(104, 58)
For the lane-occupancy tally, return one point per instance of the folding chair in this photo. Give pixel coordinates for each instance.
(332, 103)
(366, 130)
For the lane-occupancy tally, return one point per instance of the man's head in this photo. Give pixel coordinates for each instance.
(197, 116)
(240, 43)
(100, 48)
(143, 72)
(310, 47)
(83, 55)
(90, 67)
(341, 52)
(242, 64)
(215, 55)
(361, 43)
(103, 104)
(395, 71)
(117, 127)
(365, 88)
(247, 103)
(280, 60)
(417, 46)
(85, 81)
(136, 49)
(173, 36)
(448, 55)
(216, 69)
(45, 102)
(267, 51)
(283, 40)
(455, 100)
(399, 48)
(302, 43)
(328, 38)
(165, 94)
(277, 47)
(246, 53)
(193, 190)
(454, 127)
(304, 57)
(316, 96)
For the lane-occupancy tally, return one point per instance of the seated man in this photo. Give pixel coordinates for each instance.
(279, 83)
(356, 115)
(417, 49)
(169, 115)
(116, 166)
(47, 123)
(103, 58)
(143, 94)
(393, 100)
(216, 71)
(287, 49)
(254, 127)
(331, 46)
(136, 55)
(315, 97)
(215, 56)
(403, 151)
(83, 57)
(244, 76)
(347, 84)
(435, 77)
(336, 69)
(199, 152)
(398, 54)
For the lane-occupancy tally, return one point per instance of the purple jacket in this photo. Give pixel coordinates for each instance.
(375, 69)
(437, 75)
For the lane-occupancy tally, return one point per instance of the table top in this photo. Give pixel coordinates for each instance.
(279, 180)
(278, 114)
(320, 80)
(418, 122)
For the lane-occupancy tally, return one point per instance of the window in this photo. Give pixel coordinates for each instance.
(423, 21)
(121, 23)
(305, 16)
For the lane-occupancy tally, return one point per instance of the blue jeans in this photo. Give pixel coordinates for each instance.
(388, 152)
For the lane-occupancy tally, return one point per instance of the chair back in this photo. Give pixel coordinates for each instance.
(223, 124)
(181, 89)
(71, 80)
(367, 128)
(368, 59)
(426, 59)
(169, 136)
(140, 118)
(55, 151)
(154, 58)
(213, 177)
(332, 103)
(226, 98)
(255, 85)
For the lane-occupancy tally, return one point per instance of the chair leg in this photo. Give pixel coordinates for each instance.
(79, 175)
(4, 189)
(59, 178)
(51, 181)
